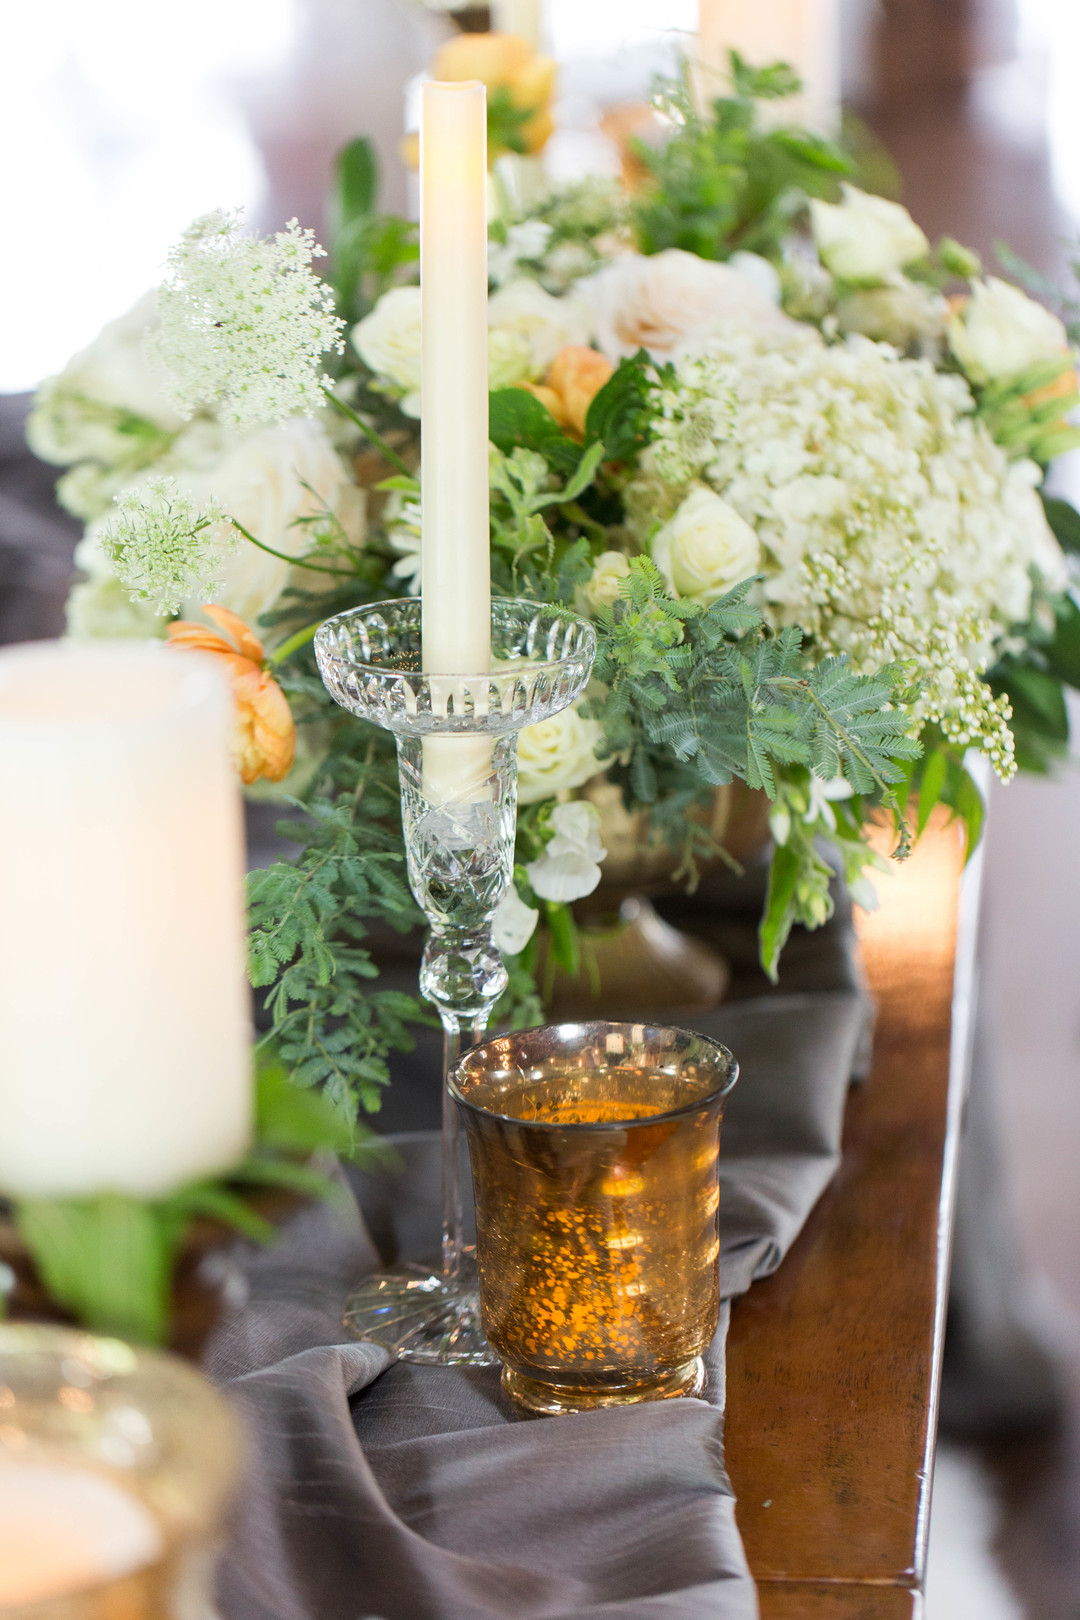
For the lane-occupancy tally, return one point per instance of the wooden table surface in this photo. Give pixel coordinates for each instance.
(833, 1363)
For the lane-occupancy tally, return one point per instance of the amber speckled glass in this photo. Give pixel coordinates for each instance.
(594, 1158)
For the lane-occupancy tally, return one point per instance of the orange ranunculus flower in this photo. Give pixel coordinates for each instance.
(574, 379)
(577, 375)
(264, 733)
(505, 62)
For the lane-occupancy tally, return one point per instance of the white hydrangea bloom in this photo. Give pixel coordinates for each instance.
(891, 525)
(163, 546)
(244, 323)
(569, 868)
(102, 607)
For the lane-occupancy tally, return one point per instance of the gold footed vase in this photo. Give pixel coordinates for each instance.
(631, 958)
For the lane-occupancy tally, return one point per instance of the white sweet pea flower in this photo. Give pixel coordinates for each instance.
(705, 548)
(569, 868)
(513, 923)
(557, 754)
(403, 533)
(527, 240)
(865, 238)
(1001, 332)
(546, 324)
(388, 340)
(823, 795)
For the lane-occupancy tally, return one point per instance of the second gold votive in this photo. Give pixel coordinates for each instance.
(594, 1157)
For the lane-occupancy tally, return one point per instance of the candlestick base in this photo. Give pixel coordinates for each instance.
(420, 1316)
(457, 763)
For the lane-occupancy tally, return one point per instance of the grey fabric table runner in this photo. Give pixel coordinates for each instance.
(416, 1493)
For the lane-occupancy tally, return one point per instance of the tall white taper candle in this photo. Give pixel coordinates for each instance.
(124, 1025)
(521, 17)
(455, 548)
(803, 33)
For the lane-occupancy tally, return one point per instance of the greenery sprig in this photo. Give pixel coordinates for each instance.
(110, 1260)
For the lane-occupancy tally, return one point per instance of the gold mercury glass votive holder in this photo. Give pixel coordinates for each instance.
(116, 1467)
(594, 1159)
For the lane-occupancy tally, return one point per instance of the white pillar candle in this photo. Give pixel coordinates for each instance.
(803, 33)
(455, 546)
(63, 1531)
(521, 17)
(124, 1021)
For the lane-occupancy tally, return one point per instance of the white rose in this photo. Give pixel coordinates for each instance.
(546, 324)
(510, 358)
(513, 923)
(557, 754)
(865, 238)
(388, 340)
(705, 548)
(1001, 332)
(901, 313)
(602, 588)
(106, 405)
(657, 302)
(569, 868)
(267, 482)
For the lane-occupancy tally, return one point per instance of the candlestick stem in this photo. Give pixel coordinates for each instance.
(457, 766)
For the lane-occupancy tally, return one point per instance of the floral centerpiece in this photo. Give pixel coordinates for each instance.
(788, 456)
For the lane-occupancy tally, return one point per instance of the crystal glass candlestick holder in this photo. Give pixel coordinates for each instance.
(457, 758)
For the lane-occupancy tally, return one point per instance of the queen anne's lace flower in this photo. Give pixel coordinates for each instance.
(165, 548)
(244, 323)
(891, 525)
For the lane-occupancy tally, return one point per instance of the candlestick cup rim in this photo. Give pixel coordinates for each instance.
(542, 1043)
(371, 660)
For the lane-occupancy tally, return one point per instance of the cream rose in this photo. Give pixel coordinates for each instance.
(106, 405)
(659, 301)
(1001, 332)
(267, 482)
(705, 548)
(602, 588)
(557, 754)
(547, 324)
(388, 340)
(865, 238)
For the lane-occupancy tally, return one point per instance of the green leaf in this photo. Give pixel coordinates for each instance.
(779, 914)
(105, 1259)
(355, 186)
(565, 941)
(931, 786)
(586, 472)
(296, 1121)
(619, 412)
(518, 421)
(1062, 653)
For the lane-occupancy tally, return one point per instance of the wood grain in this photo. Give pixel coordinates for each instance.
(843, 1600)
(833, 1363)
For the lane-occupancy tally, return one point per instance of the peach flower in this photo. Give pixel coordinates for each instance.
(574, 379)
(264, 733)
(505, 61)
